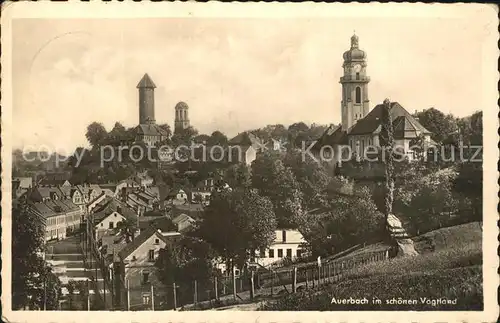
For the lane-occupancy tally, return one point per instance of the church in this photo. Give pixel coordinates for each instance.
(148, 131)
(361, 127)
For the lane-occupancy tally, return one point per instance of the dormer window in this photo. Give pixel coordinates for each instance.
(134, 258)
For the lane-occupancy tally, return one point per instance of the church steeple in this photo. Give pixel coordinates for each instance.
(355, 102)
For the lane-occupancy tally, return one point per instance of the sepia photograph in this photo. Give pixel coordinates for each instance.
(255, 158)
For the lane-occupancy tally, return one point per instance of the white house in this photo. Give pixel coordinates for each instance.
(288, 243)
(107, 222)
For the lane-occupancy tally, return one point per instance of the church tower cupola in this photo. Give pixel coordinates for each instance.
(146, 100)
(355, 104)
(181, 116)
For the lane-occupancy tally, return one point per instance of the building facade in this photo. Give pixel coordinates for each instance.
(287, 244)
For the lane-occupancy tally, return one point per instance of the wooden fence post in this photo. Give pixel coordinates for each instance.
(152, 298)
(307, 283)
(128, 295)
(234, 283)
(175, 296)
(272, 283)
(294, 280)
(195, 297)
(252, 290)
(216, 289)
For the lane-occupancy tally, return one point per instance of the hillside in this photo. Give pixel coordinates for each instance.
(449, 267)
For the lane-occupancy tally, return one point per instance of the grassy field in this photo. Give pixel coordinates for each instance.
(447, 275)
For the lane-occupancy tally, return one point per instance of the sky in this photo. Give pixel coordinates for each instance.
(235, 74)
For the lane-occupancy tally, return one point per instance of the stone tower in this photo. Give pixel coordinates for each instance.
(146, 100)
(355, 104)
(181, 116)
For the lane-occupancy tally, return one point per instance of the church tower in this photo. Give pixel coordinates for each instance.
(181, 116)
(146, 100)
(355, 103)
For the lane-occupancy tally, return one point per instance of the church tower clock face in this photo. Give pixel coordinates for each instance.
(357, 68)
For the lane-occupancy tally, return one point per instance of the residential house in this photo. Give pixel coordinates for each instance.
(124, 187)
(55, 179)
(105, 222)
(137, 265)
(244, 148)
(143, 179)
(177, 196)
(287, 244)
(24, 182)
(58, 214)
(195, 211)
(183, 222)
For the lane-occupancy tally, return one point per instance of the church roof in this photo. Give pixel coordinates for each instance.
(150, 130)
(332, 135)
(402, 122)
(146, 82)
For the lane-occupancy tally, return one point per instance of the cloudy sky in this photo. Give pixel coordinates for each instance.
(235, 74)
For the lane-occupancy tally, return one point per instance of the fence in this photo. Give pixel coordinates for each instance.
(220, 289)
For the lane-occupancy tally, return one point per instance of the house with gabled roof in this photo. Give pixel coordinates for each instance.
(137, 268)
(244, 147)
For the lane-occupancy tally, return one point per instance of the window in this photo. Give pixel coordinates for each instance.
(262, 253)
(111, 225)
(289, 253)
(284, 235)
(102, 224)
(146, 298)
(151, 255)
(271, 253)
(357, 76)
(145, 277)
(280, 253)
(358, 94)
(157, 241)
(299, 253)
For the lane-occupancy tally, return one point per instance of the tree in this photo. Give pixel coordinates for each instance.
(274, 180)
(33, 282)
(471, 129)
(442, 126)
(238, 176)
(96, 134)
(311, 176)
(167, 129)
(127, 229)
(217, 139)
(83, 292)
(347, 221)
(238, 222)
(296, 133)
(71, 286)
(388, 140)
(185, 260)
(184, 136)
(201, 139)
